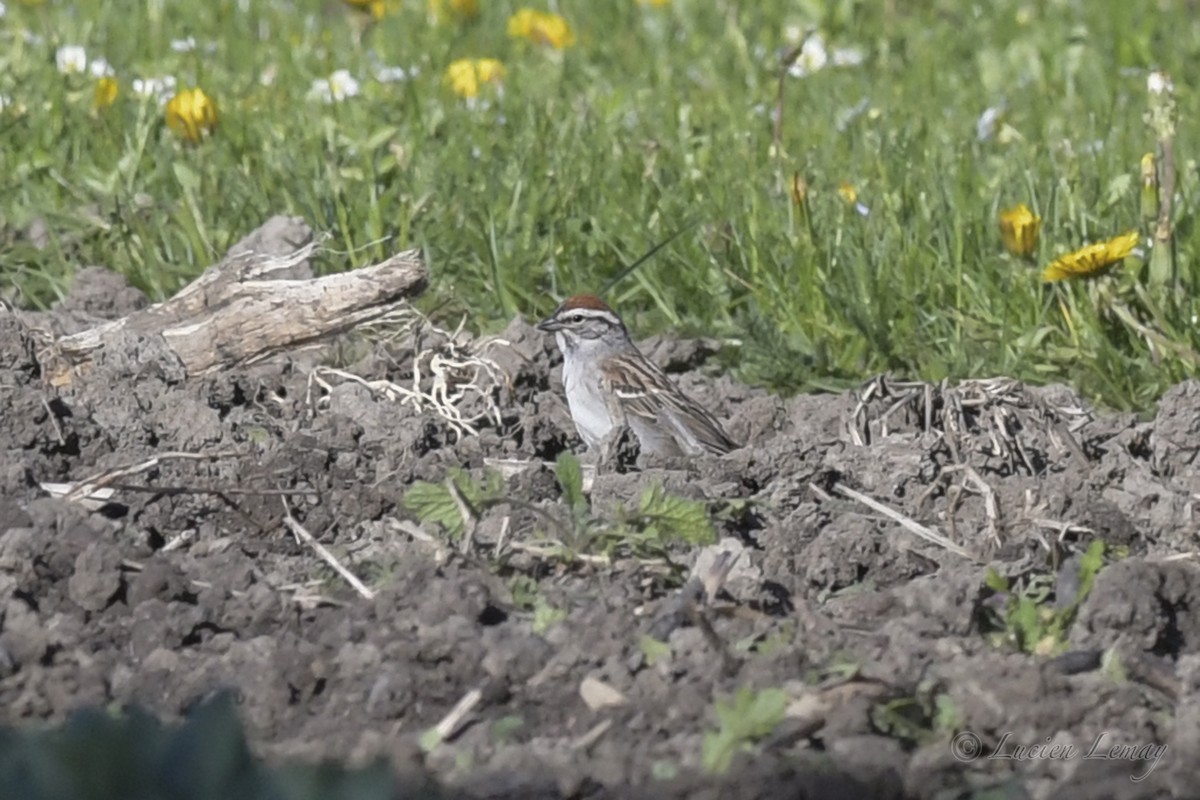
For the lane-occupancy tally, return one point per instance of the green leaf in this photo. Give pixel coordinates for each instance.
(901, 718)
(1089, 568)
(672, 517)
(946, 716)
(381, 137)
(432, 503)
(189, 181)
(505, 728)
(747, 718)
(995, 581)
(1025, 624)
(545, 615)
(653, 649)
(570, 477)
(524, 591)
(764, 711)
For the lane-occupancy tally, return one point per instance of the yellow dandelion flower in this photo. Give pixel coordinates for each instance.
(106, 93)
(490, 70)
(378, 9)
(848, 192)
(1020, 229)
(463, 10)
(466, 75)
(541, 27)
(1089, 260)
(192, 114)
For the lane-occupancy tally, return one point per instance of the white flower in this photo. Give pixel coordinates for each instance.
(1159, 82)
(3, 9)
(848, 57)
(343, 85)
(183, 45)
(988, 122)
(813, 57)
(160, 89)
(336, 88)
(394, 74)
(846, 117)
(386, 74)
(321, 90)
(100, 68)
(71, 59)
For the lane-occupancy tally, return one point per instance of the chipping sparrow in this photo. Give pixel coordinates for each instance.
(610, 383)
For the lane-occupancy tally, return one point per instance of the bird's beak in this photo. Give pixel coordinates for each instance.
(549, 325)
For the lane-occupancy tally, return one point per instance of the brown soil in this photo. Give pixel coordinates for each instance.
(166, 594)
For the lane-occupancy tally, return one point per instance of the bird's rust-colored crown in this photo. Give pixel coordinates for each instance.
(579, 301)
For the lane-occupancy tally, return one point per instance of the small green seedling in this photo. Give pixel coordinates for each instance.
(1029, 620)
(746, 718)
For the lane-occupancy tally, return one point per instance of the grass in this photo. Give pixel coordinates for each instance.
(657, 121)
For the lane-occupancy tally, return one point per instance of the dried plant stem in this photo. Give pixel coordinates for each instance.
(777, 117)
(453, 721)
(910, 525)
(321, 550)
(88, 486)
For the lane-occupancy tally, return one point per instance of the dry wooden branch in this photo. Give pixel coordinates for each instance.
(259, 300)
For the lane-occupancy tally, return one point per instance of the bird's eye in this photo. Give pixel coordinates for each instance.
(577, 318)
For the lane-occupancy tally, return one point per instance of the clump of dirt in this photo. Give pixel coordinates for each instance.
(187, 578)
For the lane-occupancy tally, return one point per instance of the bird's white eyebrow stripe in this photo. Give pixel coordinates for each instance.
(595, 313)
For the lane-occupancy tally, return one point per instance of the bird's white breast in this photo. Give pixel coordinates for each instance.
(586, 401)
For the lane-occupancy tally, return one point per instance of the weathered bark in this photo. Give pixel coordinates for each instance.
(259, 300)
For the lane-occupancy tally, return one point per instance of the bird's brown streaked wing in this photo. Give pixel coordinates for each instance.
(644, 390)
